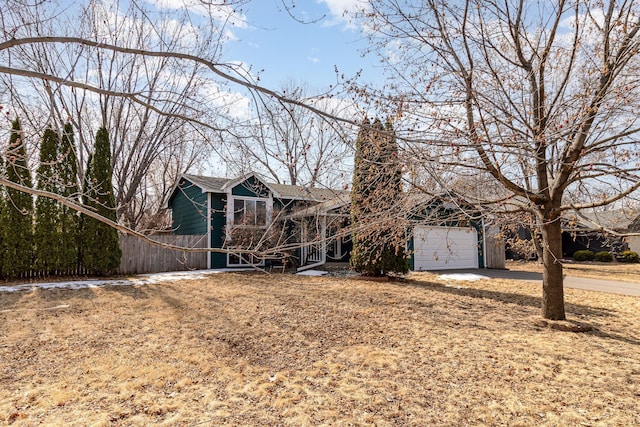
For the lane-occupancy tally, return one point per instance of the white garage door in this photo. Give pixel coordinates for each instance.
(444, 248)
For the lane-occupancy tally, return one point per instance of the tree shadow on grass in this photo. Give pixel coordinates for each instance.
(616, 337)
(10, 299)
(511, 298)
(527, 301)
(136, 292)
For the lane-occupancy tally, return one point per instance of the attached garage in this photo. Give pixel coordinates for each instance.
(445, 248)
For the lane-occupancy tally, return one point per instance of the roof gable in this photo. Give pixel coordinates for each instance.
(210, 184)
(251, 182)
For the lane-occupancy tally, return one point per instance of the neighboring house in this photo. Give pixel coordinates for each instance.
(248, 215)
(600, 231)
(604, 230)
(592, 230)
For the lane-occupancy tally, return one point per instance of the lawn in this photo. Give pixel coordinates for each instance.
(273, 350)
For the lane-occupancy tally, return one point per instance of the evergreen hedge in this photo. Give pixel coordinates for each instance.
(628, 256)
(49, 241)
(2, 207)
(604, 256)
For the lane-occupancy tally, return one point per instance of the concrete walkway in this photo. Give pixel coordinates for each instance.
(601, 285)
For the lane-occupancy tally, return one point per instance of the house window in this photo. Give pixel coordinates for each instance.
(244, 259)
(249, 212)
(247, 221)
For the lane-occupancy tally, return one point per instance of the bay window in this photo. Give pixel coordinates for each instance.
(249, 212)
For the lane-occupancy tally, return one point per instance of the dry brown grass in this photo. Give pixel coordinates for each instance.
(597, 270)
(251, 349)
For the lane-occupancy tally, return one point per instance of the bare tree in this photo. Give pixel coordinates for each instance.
(542, 96)
(131, 83)
(158, 85)
(291, 144)
(143, 101)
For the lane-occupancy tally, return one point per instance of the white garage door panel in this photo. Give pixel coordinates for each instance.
(442, 248)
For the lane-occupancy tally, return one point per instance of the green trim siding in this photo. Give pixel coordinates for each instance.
(410, 248)
(189, 209)
(218, 224)
(250, 187)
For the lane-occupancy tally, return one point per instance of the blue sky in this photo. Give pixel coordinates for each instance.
(304, 52)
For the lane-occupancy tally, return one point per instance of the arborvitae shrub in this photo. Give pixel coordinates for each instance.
(378, 233)
(584, 255)
(48, 233)
(604, 256)
(17, 214)
(629, 256)
(100, 249)
(69, 218)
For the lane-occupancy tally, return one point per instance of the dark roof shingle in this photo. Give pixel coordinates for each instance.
(216, 185)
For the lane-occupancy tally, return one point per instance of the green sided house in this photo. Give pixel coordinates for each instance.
(248, 221)
(245, 216)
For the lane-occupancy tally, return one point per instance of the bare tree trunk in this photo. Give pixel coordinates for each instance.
(552, 283)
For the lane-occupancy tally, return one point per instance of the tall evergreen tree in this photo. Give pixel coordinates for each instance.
(378, 226)
(17, 215)
(69, 219)
(101, 250)
(82, 241)
(47, 236)
(2, 207)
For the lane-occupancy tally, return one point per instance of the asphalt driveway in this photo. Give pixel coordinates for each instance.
(601, 285)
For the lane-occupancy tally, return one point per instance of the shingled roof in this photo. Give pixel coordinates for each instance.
(616, 219)
(208, 184)
(211, 184)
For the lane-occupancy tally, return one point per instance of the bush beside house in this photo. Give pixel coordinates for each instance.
(583, 255)
(604, 256)
(628, 256)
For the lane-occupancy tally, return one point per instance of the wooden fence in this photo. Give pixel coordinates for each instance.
(140, 257)
(494, 249)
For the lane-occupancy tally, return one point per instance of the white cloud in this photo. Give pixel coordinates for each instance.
(217, 12)
(121, 27)
(343, 108)
(339, 7)
(596, 17)
(343, 10)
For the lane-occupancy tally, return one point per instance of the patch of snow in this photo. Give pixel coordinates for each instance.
(56, 307)
(469, 277)
(143, 279)
(175, 275)
(312, 273)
